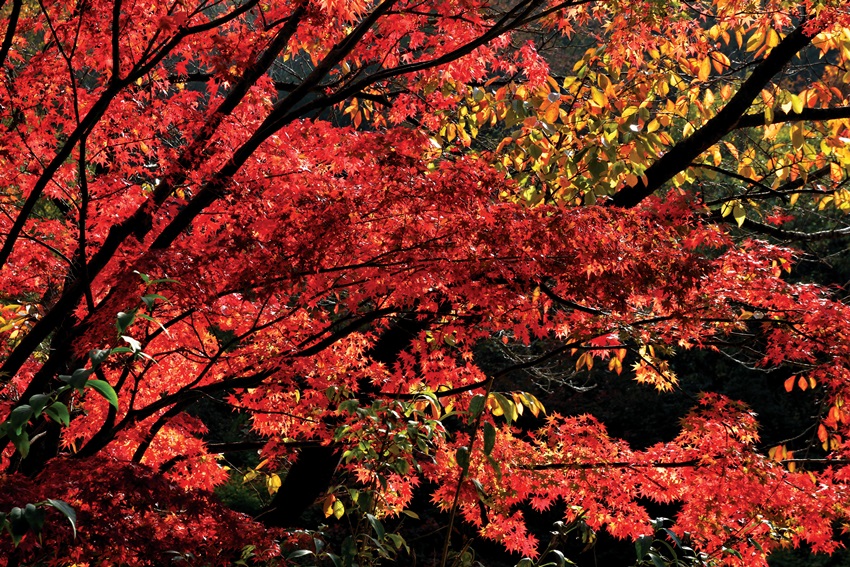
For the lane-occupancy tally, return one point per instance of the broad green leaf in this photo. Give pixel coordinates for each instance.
(105, 390)
(97, 356)
(489, 438)
(59, 413)
(476, 406)
(66, 510)
(19, 418)
(38, 402)
(150, 299)
(21, 441)
(34, 517)
(124, 320)
(18, 525)
(376, 525)
(77, 379)
(462, 457)
(642, 546)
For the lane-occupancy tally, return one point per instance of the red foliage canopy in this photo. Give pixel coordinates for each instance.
(303, 211)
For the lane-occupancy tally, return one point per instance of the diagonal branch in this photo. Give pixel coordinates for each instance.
(807, 114)
(682, 154)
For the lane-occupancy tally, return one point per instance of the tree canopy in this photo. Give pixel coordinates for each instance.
(380, 232)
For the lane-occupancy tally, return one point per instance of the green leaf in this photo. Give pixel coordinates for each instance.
(121, 350)
(18, 525)
(657, 560)
(559, 557)
(489, 438)
(462, 457)
(642, 546)
(66, 510)
(402, 467)
(38, 402)
(124, 320)
(672, 535)
(78, 379)
(19, 418)
(299, 553)
(398, 542)
(21, 441)
(335, 560)
(97, 356)
(151, 298)
(476, 406)
(376, 525)
(105, 390)
(59, 413)
(34, 517)
(155, 322)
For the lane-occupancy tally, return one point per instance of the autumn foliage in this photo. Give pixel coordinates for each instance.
(320, 215)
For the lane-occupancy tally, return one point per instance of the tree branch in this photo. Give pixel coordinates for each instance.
(682, 154)
(807, 114)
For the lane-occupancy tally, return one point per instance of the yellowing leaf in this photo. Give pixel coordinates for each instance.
(598, 97)
(739, 214)
(704, 69)
(797, 136)
(272, 483)
(327, 505)
(772, 38)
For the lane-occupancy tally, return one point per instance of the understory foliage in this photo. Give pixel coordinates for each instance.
(319, 214)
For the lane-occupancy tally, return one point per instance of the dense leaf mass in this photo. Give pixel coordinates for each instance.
(320, 214)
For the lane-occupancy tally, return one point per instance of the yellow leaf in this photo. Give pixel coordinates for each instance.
(739, 214)
(797, 136)
(338, 509)
(704, 69)
(772, 38)
(755, 41)
(272, 483)
(598, 97)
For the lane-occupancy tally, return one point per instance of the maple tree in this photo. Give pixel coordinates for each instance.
(316, 212)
